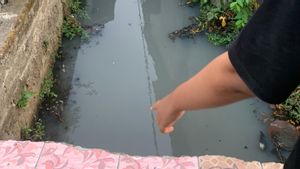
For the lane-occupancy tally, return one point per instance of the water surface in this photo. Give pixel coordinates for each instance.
(127, 65)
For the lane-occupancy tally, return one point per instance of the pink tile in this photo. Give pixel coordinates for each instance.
(56, 155)
(21, 155)
(207, 162)
(253, 164)
(130, 162)
(272, 166)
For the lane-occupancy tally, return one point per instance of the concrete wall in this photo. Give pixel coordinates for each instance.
(24, 60)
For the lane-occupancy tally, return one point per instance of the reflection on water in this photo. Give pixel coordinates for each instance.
(108, 105)
(100, 12)
(112, 80)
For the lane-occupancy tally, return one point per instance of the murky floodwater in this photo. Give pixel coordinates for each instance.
(111, 81)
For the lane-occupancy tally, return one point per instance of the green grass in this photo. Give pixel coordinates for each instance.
(25, 97)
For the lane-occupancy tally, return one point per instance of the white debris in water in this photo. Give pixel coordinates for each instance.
(262, 146)
(63, 68)
(7, 16)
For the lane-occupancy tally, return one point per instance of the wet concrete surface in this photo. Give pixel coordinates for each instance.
(111, 81)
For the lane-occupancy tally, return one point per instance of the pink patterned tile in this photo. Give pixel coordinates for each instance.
(130, 162)
(56, 155)
(253, 164)
(272, 166)
(207, 162)
(20, 155)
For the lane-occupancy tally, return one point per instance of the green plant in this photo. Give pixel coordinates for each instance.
(45, 44)
(71, 27)
(290, 109)
(243, 9)
(220, 39)
(34, 133)
(46, 89)
(77, 9)
(217, 21)
(59, 54)
(221, 20)
(25, 96)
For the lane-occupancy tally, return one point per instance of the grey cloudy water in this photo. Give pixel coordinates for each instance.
(131, 62)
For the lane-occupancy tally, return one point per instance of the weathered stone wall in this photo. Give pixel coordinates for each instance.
(25, 60)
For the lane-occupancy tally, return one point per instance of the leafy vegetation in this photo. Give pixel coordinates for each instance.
(25, 97)
(290, 109)
(71, 27)
(220, 20)
(46, 90)
(77, 9)
(34, 133)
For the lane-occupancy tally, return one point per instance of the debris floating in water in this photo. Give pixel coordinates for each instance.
(190, 31)
(262, 141)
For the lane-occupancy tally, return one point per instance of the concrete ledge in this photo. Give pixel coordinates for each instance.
(25, 59)
(40, 155)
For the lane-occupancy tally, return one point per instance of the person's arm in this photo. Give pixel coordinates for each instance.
(216, 84)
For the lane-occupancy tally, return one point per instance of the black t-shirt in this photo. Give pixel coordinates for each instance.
(266, 55)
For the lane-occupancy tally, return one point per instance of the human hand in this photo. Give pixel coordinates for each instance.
(166, 114)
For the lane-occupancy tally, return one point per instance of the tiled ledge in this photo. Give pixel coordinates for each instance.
(48, 155)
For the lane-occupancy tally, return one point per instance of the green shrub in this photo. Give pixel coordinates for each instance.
(243, 10)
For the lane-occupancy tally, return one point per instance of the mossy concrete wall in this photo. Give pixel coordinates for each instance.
(25, 57)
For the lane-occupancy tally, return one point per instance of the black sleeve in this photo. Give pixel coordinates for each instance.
(293, 162)
(267, 52)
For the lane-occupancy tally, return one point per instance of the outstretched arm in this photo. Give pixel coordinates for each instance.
(215, 85)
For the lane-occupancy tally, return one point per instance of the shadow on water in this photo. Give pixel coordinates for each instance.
(109, 83)
(63, 71)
